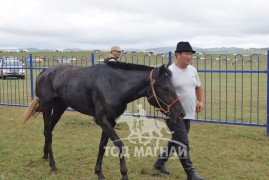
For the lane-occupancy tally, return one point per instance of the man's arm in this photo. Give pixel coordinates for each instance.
(200, 98)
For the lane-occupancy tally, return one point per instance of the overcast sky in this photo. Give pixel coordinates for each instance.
(139, 24)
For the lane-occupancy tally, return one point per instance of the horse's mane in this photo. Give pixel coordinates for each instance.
(129, 66)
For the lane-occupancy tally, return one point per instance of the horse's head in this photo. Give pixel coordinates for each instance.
(161, 94)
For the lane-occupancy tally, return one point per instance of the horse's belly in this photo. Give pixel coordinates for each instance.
(87, 111)
(81, 105)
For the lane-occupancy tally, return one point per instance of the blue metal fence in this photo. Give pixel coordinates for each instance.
(267, 114)
(235, 88)
(238, 86)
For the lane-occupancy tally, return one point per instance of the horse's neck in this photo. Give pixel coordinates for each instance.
(138, 88)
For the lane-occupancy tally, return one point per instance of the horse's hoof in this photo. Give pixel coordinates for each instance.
(54, 171)
(45, 158)
(101, 178)
(125, 178)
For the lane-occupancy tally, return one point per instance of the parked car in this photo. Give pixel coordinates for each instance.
(11, 68)
(34, 60)
(28, 60)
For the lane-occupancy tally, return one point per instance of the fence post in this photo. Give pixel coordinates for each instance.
(31, 77)
(267, 125)
(170, 58)
(92, 58)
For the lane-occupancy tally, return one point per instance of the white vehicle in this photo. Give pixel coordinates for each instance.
(11, 68)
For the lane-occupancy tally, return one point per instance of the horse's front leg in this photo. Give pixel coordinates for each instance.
(106, 126)
(98, 166)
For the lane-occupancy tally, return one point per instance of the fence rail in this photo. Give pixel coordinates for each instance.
(235, 86)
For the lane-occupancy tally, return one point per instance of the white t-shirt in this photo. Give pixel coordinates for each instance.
(185, 81)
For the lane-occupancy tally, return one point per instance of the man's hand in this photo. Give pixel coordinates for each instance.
(199, 106)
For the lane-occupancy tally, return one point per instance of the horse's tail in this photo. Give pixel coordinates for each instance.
(32, 111)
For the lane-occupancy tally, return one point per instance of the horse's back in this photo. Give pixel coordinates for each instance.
(57, 76)
(71, 84)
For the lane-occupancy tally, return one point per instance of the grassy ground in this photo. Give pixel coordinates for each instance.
(217, 151)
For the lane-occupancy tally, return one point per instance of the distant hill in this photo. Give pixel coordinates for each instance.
(73, 49)
(161, 49)
(32, 49)
(221, 49)
(217, 50)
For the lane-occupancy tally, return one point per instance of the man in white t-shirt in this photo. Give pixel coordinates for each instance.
(190, 93)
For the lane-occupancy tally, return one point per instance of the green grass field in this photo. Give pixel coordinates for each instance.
(218, 151)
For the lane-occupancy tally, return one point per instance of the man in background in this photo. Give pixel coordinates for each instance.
(114, 54)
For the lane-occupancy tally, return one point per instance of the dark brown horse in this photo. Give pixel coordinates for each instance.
(102, 91)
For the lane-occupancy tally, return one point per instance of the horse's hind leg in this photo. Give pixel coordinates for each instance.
(50, 121)
(58, 110)
(98, 166)
(48, 136)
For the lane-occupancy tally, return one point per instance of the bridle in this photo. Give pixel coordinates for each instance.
(158, 100)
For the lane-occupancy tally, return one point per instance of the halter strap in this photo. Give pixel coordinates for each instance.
(152, 82)
(174, 102)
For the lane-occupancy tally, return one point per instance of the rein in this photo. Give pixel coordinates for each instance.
(168, 106)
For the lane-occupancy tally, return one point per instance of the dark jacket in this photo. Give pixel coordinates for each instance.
(109, 59)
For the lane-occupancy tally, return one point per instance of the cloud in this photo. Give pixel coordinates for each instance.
(133, 24)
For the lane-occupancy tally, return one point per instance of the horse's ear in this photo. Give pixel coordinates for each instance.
(161, 70)
(167, 65)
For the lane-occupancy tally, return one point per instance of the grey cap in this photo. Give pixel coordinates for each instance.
(115, 48)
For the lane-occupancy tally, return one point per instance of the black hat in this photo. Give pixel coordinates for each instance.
(184, 47)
